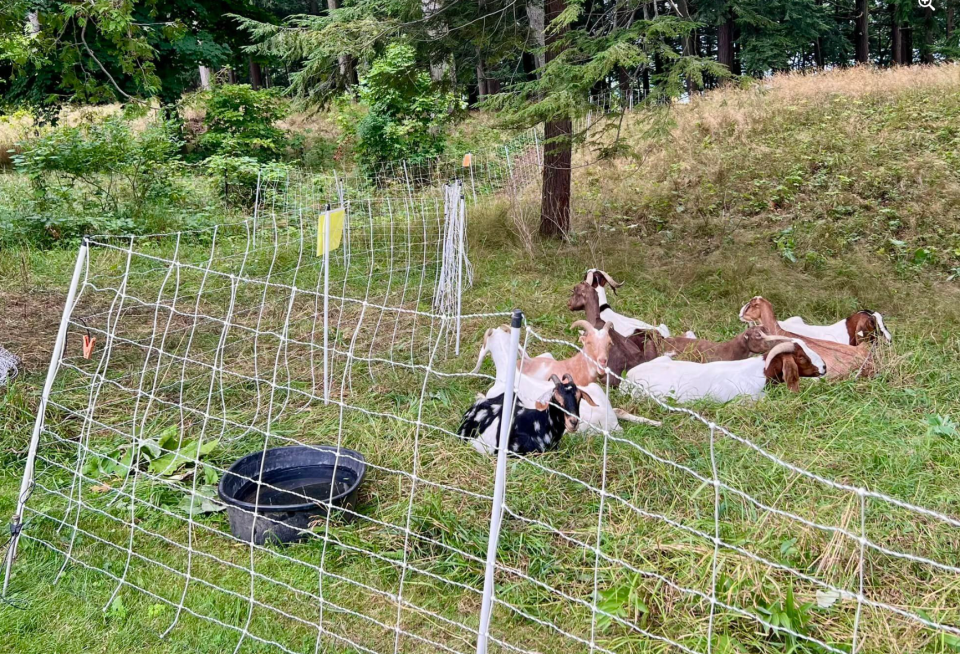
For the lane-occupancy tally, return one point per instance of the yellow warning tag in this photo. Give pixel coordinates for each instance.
(336, 218)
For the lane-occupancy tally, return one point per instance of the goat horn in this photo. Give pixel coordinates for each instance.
(584, 325)
(567, 378)
(610, 280)
(483, 351)
(555, 379)
(607, 327)
(589, 278)
(769, 337)
(788, 346)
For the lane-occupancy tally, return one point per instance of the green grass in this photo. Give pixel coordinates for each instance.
(874, 433)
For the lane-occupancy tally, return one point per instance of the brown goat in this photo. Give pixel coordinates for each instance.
(842, 360)
(753, 341)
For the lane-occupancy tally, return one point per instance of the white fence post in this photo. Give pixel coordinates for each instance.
(326, 305)
(461, 228)
(26, 484)
(500, 484)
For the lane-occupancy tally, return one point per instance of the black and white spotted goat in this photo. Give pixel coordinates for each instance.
(534, 430)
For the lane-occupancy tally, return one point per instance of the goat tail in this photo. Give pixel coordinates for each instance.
(629, 417)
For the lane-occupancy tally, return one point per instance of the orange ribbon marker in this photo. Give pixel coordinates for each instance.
(467, 160)
(88, 343)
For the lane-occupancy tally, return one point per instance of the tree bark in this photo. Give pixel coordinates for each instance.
(256, 75)
(861, 32)
(896, 37)
(907, 39)
(204, 78)
(348, 71)
(725, 41)
(557, 149)
(536, 18)
(926, 55)
(33, 20)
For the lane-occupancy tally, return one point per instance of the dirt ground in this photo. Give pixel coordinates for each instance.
(28, 325)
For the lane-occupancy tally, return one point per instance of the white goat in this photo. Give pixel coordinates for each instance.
(530, 391)
(623, 325)
(686, 381)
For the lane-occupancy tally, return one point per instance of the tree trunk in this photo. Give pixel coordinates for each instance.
(557, 158)
(204, 78)
(949, 18)
(481, 78)
(926, 55)
(725, 41)
(348, 71)
(861, 32)
(907, 39)
(557, 149)
(33, 20)
(231, 76)
(256, 75)
(896, 37)
(818, 53)
(536, 18)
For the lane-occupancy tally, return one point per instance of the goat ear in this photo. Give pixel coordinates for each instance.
(791, 374)
(581, 395)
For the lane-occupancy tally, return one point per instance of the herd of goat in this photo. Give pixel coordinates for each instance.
(558, 396)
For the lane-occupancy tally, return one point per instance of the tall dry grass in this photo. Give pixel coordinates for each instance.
(813, 165)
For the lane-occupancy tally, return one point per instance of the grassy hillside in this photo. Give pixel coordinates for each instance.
(816, 167)
(824, 194)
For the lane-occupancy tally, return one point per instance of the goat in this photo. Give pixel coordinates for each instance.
(625, 353)
(624, 325)
(533, 430)
(722, 381)
(842, 359)
(862, 326)
(753, 341)
(585, 367)
(530, 391)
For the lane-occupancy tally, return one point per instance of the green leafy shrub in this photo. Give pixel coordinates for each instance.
(241, 122)
(406, 112)
(94, 177)
(236, 178)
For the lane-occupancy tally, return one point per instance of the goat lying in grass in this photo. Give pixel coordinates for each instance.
(842, 360)
(686, 381)
(624, 325)
(530, 391)
(533, 430)
(742, 346)
(860, 327)
(625, 353)
(584, 367)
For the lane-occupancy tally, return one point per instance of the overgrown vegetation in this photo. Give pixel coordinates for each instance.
(402, 113)
(795, 190)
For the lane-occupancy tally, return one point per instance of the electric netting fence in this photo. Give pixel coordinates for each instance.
(642, 539)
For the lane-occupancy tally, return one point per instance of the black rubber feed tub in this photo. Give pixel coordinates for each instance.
(290, 475)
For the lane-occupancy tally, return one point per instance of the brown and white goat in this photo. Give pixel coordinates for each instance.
(860, 327)
(585, 367)
(622, 324)
(722, 381)
(842, 360)
(625, 353)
